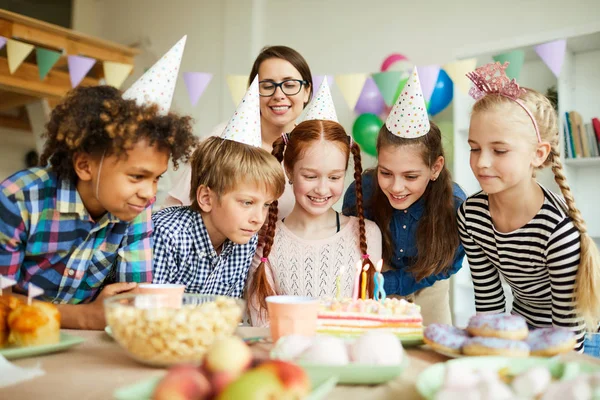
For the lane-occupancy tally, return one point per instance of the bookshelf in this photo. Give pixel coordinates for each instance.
(578, 86)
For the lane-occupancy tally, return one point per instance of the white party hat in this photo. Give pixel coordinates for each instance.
(244, 125)
(408, 118)
(157, 85)
(321, 107)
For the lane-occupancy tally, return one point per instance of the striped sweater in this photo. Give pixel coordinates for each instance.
(539, 262)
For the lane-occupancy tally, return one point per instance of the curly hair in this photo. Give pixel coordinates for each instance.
(98, 120)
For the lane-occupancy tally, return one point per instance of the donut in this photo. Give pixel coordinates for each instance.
(491, 346)
(548, 342)
(503, 326)
(446, 338)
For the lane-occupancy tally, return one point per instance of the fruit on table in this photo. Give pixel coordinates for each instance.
(183, 382)
(225, 360)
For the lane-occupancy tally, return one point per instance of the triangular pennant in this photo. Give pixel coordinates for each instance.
(244, 125)
(388, 84)
(196, 83)
(237, 87)
(2, 42)
(457, 71)
(408, 118)
(79, 66)
(6, 282)
(17, 53)
(115, 73)
(428, 76)
(318, 80)
(157, 85)
(34, 291)
(321, 106)
(552, 53)
(515, 59)
(351, 85)
(45, 60)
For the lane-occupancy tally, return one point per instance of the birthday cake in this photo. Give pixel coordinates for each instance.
(348, 317)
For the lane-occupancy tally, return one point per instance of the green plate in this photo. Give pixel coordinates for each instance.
(143, 390)
(356, 374)
(430, 380)
(65, 342)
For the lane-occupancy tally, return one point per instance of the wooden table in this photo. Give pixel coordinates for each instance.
(94, 369)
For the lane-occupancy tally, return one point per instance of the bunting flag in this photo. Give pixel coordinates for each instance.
(45, 60)
(17, 53)
(79, 66)
(318, 79)
(552, 53)
(390, 85)
(196, 83)
(115, 73)
(457, 71)
(33, 291)
(515, 59)
(237, 87)
(351, 86)
(2, 42)
(428, 75)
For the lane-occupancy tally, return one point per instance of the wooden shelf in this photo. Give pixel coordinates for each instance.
(583, 162)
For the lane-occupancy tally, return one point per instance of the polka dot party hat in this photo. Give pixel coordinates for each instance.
(408, 118)
(157, 85)
(244, 125)
(321, 106)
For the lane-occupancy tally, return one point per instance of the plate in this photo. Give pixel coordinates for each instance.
(430, 380)
(143, 390)
(356, 374)
(65, 342)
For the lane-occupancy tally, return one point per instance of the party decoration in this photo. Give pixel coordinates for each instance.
(5, 283)
(244, 125)
(408, 118)
(552, 53)
(33, 291)
(515, 59)
(363, 282)
(196, 83)
(157, 85)
(365, 130)
(457, 71)
(370, 99)
(351, 85)
(391, 60)
(390, 84)
(79, 66)
(442, 94)
(321, 106)
(237, 86)
(17, 52)
(318, 80)
(355, 288)
(115, 73)
(45, 60)
(428, 75)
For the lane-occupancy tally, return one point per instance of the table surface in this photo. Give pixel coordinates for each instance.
(95, 368)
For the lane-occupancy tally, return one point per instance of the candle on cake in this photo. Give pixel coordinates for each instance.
(363, 283)
(356, 280)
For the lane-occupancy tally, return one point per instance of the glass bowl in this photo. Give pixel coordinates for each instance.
(156, 334)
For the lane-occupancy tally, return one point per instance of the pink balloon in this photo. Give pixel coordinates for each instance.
(391, 59)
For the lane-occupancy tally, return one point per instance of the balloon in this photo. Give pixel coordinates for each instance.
(442, 93)
(365, 131)
(370, 100)
(391, 59)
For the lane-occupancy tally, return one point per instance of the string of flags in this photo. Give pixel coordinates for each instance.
(353, 87)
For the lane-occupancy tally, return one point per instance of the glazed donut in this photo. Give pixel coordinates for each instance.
(503, 326)
(491, 346)
(547, 342)
(446, 338)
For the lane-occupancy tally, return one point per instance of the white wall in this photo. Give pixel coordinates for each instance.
(14, 144)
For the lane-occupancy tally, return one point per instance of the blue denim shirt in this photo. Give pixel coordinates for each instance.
(403, 228)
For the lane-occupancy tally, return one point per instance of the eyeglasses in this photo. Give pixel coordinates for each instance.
(289, 87)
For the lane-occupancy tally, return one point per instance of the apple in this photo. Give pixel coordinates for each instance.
(183, 382)
(231, 355)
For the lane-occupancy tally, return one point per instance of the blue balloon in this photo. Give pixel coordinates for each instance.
(442, 93)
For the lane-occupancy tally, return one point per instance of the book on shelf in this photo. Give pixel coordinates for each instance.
(582, 139)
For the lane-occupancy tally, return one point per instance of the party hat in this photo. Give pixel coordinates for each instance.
(244, 125)
(157, 84)
(408, 118)
(321, 106)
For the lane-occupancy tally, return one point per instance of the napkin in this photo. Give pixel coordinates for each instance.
(11, 374)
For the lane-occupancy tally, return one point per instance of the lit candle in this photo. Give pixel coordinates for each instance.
(338, 280)
(363, 283)
(356, 280)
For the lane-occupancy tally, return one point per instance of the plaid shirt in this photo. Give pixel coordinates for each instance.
(184, 254)
(48, 238)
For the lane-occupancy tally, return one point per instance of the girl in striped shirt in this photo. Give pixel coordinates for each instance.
(515, 228)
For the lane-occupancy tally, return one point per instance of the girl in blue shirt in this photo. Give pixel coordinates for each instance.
(413, 200)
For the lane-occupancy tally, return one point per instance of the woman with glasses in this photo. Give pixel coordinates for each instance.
(285, 87)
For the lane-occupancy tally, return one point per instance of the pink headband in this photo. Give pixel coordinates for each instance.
(491, 79)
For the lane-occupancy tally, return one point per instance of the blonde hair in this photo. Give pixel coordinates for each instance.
(587, 292)
(223, 164)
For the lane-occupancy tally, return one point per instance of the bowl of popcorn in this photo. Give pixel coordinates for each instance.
(154, 332)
